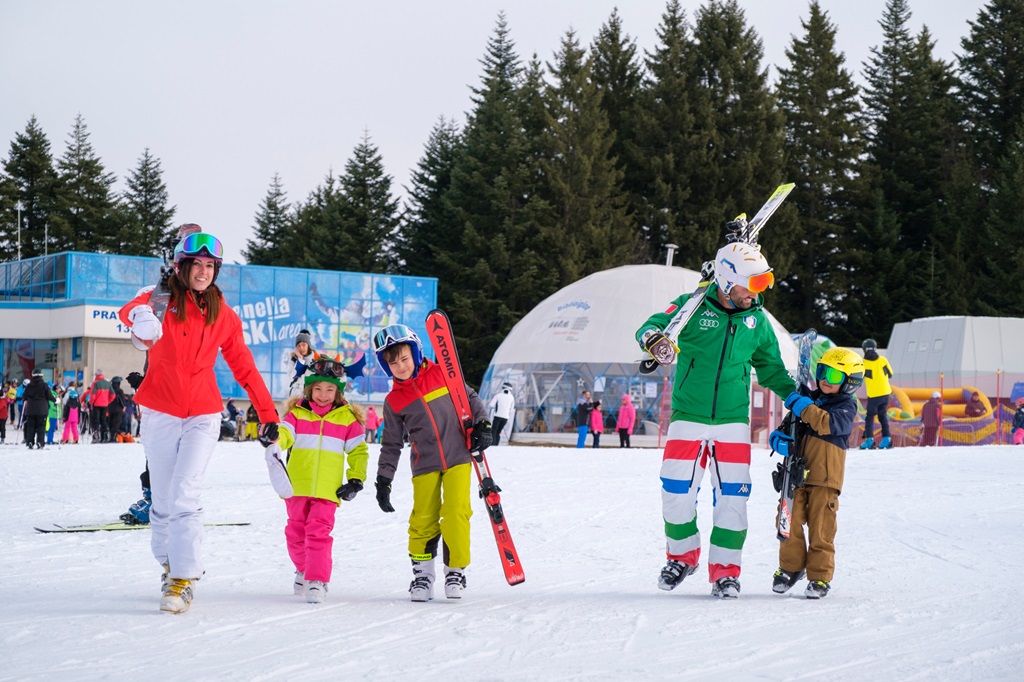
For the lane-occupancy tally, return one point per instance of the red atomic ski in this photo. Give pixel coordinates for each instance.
(443, 341)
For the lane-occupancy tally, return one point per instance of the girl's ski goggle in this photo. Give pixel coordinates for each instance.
(199, 245)
(759, 283)
(394, 334)
(830, 375)
(326, 367)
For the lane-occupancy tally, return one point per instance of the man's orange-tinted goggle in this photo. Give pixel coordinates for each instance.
(759, 283)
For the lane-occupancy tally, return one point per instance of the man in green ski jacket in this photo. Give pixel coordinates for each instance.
(727, 335)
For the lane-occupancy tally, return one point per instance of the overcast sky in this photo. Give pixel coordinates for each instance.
(226, 94)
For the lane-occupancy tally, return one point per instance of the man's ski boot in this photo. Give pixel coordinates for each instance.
(673, 574)
(454, 582)
(817, 589)
(868, 444)
(885, 444)
(422, 586)
(138, 513)
(784, 580)
(177, 596)
(726, 588)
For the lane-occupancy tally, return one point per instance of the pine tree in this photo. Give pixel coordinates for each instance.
(31, 181)
(273, 230)
(430, 226)
(315, 226)
(824, 136)
(86, 220)
(665, 141)
(909, 103)
(494, 193)
(584, 186)
(617, 74)
(739, 128)
(368, 215)
(147, 221)
(991, 86)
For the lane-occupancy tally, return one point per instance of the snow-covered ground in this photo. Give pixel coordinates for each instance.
(927, 586)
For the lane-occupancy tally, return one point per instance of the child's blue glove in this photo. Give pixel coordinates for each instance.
(779, 442)
(797, 403)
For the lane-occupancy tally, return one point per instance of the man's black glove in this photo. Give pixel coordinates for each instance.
(348, 491)
(383, 486)
(268, 434)
(482, 437)
(134, 380)
(166, 271)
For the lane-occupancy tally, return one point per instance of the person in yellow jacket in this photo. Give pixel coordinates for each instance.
(877, 372)
(323, 430)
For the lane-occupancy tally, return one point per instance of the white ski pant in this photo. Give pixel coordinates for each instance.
(178, 451)
(691, 449)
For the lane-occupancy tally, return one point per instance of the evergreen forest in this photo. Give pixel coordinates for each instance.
(908, 199)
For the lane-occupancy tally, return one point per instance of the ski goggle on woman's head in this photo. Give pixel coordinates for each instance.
(830, 375)
(199, 245)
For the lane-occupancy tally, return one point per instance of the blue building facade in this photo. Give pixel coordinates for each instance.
(53, 309)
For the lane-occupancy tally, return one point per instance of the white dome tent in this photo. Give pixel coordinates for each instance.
(582, 337)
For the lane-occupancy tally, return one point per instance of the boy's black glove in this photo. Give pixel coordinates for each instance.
(482, 437)
(348, 491)
(134, 380)
(383, 486)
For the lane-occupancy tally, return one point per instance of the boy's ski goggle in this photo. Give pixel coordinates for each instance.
(199, 245)
(759, 283)
(830, 374)
(394, 334)
(326, 367)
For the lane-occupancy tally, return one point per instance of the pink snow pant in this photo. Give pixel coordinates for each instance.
(308, 532)
(70, 427)
(178, 451)
(1018, 436)
(691, 449)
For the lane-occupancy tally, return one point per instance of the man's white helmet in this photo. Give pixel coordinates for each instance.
(742, 264)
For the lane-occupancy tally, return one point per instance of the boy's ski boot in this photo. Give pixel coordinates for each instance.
(783, 580)
(422, 586)
(673, 574)
(454, 582)
(316, 591)
(868, 444)
(138, 513)
(177, 595)
(299, 583)
(885, 444)
(817, 589)
(726, 588)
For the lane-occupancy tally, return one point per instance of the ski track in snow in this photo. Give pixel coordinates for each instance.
(928, 566)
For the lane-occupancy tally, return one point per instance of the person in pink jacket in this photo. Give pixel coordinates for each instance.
(597, 423)
(372, 422)
(626, 420)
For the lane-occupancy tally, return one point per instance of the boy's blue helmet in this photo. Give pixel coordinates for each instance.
(392, 335)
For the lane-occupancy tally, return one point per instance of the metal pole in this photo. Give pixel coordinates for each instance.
(19, 230)
(942, 400)
(999, 413)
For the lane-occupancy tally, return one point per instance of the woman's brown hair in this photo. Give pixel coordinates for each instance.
(209, 301)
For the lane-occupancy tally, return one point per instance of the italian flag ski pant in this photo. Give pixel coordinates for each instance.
(177, 452)
(441, 509)
(691, 449)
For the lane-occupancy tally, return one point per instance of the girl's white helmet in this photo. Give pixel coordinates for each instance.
(742, 264)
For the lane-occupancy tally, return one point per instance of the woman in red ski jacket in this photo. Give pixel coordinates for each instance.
(182, 403)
